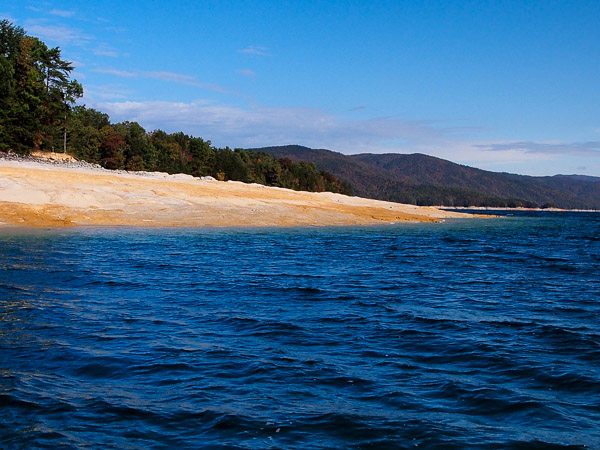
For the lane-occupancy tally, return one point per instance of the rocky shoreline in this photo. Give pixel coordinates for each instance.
(10, 156)
(54, 159)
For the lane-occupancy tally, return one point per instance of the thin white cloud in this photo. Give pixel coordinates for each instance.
(119, 30)
(62, 13)
(260, 126)
(118, 73)
(59, 34)
(6, 16)
(171, 76)
(167, 76)
(530, 158)
(186, 79)
(104, 50)
(255, 50)
(574, 148)
(111, 92)
(109, 53)
(247, 73)
(112, 28)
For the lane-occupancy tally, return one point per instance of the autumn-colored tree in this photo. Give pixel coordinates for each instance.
(112, 150)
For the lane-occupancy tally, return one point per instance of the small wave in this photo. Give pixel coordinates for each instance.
(111, 284)
(98, 370)
(258, 327)
(572, 382)
(108, 412)
(346, 382)
(589, 238)
(441, 324)
(171, 369)
(568, 341)
(9, 288)
(9, 400)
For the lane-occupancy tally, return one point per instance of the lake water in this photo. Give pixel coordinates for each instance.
(465, 334)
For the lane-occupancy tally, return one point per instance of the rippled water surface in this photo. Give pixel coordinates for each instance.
(465, 334)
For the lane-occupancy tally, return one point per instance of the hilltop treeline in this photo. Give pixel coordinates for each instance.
(129, 146)
(426, 180)
(37, 112)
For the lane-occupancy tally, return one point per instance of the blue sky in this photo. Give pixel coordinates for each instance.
(502, 85)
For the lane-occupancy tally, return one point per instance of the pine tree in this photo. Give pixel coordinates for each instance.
(36, 93)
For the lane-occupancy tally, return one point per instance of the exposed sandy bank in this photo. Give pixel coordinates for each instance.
(43, 195)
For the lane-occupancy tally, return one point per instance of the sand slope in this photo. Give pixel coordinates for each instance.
(44, 195)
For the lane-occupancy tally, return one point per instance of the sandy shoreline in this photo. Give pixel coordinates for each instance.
(39, 194)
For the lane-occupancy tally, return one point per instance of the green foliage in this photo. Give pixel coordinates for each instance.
(85, 136)
(36, 93)
(203, 157)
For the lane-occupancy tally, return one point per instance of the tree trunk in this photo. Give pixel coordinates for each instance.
(65, 136)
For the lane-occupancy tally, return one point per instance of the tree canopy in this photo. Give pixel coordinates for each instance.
(36, 92)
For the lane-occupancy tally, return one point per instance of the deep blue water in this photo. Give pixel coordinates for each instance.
(466, 334)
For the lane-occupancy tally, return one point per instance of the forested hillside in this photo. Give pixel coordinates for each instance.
(425, 180)
(37, 112)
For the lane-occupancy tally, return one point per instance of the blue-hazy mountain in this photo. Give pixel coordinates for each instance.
(427, 180)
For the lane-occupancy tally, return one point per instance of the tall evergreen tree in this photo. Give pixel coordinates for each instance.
(10, 44)
(36, 92)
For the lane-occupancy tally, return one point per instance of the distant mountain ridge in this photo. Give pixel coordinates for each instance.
(426, 180)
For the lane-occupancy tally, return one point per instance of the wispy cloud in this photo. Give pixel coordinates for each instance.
(255, 50)
(109, 92)
(170, 76)
(118, 73)
(62, 13)
(59, 34)
(248, 73)
(104, 50)
(78, 64)
(186, 79)
(259, 126)
(7, 17)
(167, 76)
(575, 148)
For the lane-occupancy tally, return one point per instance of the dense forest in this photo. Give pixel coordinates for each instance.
(38, 112)
(425, 180)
